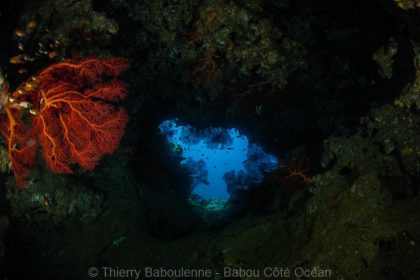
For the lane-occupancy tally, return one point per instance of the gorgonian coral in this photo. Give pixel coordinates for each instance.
(73, 116)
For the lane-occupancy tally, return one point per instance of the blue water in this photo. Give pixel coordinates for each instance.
(220, 160)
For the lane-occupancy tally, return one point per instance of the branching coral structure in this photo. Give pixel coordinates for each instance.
(20, 143)
(73, 116)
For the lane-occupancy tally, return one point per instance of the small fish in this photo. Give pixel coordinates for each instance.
(21, 91)
(32, 24)
(20, 46)
(52, 55)
(23, 71)
(11, 99)
(28, 58)
(117, 242)
(46, 201)
(34, 112)
(28, 216)
(19, 33)
(25, 105)
(17, 59)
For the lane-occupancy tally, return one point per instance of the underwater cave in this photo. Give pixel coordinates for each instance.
(221, 161)
(244, 139)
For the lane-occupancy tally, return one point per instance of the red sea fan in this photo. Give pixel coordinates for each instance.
(75, 117)
(20, 143)
(76, 122)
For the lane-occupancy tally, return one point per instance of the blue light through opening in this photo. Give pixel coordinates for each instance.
(221, 161)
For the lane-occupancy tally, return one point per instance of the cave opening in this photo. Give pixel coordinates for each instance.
(221, 162)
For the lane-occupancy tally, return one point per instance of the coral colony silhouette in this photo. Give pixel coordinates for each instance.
(69, 109)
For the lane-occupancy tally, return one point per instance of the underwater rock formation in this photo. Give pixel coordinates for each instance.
(363, 193)
(362, 218)
(224, 50)
(410, 97)
(329, 87)
(74, 25)
(4, 224)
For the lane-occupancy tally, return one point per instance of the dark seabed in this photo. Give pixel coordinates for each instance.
(194, 139)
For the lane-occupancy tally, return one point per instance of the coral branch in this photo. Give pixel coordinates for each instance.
(20, 142)
(77, 124)
(77, 73)
(74, 116)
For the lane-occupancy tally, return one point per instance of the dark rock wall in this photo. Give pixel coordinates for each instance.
(331, 87)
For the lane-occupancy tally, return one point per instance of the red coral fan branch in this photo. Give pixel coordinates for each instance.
(77, 124)
(299, 172)
(77, 73)
(20, 142)
(294, 176)
(74, 116)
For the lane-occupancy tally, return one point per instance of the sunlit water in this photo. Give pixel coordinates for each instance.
(220, 160)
